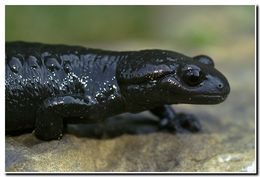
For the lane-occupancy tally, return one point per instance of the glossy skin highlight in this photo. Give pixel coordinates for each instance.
(50, 85)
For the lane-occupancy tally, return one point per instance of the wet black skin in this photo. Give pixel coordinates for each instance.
(47, 86)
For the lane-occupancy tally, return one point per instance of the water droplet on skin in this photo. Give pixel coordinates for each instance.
(67, 68)
(52, 64)
(15, 65)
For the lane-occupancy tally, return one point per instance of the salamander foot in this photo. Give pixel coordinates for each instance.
(181, 123)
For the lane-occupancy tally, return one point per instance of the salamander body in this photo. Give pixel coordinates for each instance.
(47, 86)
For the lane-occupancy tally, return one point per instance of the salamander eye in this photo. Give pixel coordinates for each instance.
(193, 77)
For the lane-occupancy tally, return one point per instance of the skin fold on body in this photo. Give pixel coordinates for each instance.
(47, 86)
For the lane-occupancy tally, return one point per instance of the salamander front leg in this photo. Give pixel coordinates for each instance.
(172, 121)
(49, 120)
(48, 125)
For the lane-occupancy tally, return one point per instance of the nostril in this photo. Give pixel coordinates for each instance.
(220, 85)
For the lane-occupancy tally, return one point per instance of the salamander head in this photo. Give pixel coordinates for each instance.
(169, 78)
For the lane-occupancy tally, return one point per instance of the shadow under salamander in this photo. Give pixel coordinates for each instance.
(135, 124)
(116, 126)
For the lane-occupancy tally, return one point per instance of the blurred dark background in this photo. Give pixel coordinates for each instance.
(182, 26)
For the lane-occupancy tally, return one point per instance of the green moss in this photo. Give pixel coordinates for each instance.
(76, 23)
(200, 38)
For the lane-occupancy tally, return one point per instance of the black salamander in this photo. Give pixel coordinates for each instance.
(48, 85)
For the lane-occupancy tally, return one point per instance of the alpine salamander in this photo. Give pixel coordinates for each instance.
(47, 86)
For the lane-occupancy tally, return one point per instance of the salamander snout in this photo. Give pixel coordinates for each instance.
(223, 87)
(214, 89)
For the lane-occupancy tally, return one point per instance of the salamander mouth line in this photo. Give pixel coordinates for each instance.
(204, 97)
(209, 96)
